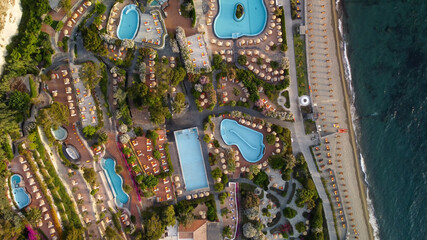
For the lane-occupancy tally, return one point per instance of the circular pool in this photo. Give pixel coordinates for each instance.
(59, 134)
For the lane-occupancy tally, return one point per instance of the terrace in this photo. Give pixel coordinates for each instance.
(198, 52)
(19, 165)
(146, 163)
(252, 47)
(151, 31)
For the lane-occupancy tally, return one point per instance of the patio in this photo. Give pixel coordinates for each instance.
(198, 52)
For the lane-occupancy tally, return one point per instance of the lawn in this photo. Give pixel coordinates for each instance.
(301, 66)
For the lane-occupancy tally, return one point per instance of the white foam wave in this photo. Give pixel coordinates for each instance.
(354, 117)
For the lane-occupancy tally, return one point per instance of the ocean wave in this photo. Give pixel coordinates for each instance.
(355, 118)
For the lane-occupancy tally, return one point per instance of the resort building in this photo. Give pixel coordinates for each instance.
(196, 231)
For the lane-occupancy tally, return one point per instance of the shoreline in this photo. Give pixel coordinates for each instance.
(345, 87)
(12, 19)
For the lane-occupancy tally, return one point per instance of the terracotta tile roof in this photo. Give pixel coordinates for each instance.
(197, 230)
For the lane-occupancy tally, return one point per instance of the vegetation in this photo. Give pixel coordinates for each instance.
(289, 213)
(92, 41)
(271, 139)
(239, 11)
(261, 179)
(301, 66)
(188, 11)
(226, 232)
(90, 175)
(300, 227)
(241, 60)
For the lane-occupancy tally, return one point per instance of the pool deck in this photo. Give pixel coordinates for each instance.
(243, 164)
(231, 48)
(17, 168)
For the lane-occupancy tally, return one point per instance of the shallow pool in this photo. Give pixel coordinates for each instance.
(249, 141)
(115, 181)
(191, 159)
(60, 134)
(20, 196)
(252, 23)
(129, 22)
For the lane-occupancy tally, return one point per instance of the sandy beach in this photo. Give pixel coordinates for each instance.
(330, 96)
(10, 16)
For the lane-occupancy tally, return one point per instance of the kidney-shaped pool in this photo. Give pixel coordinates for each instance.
(249, 141)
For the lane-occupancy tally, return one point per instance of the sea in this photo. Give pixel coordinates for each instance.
(385, 55)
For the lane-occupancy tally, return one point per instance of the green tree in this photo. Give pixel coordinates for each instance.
(153, 228)
(90, 175)
(66, 5)
(89, 131)
(100, 8)
(226, 232)
(92, 41)
(300, 227)
(261, 179)
(179, 74)
(33, 216)
(271, 139)
(178, 105)
(102, 138)
(168, 216)
(219, 187)
(89, 74)
(217, 61)
(216, 173)
(251, 200)
(119, 169)
(184, 213)
(156, 154)
(54, 116)
(241, 60)
(289, 213)
(276, 161)
(19, 101)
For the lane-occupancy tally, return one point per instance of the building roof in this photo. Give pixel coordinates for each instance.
(196, 231)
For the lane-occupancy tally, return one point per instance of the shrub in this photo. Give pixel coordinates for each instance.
(219, 187)
(289, 213)
(300, 226)
(271, 139)
(241, 60)
(206, 138)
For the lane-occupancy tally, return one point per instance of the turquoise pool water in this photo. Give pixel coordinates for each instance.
(129, 22)
(20, 196)
(60, 133)
(191, 158)
(251, 23)
(249, 141)
(115, 181)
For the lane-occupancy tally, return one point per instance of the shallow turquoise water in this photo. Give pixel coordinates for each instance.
(60, 133)
(252, 22)
(129, 22)
(388, 57)
(249, 141)
(116, 181)
(191, 159)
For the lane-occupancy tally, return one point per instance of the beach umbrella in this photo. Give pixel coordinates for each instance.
(257, 41)
(264, 37)
(222, 51)
(69, 98)
(226, 99)
(277, 145)
(280, 40)
(224, 166)
(278, 20)
(264, 66)
(216, 150)
(65, 32)
(253, 125)
(179, 191)
(251, 41)
(228, 43)
(273, 17)
(220, 43)
(243, 120)
(69, 23)
(269, 32)
(237, 164)
(251, 67)
(269, 69)
(271, 2)
(262, 55)
(242, 42)
(275, 72)
(267, 48)
(256, 71)
(242, 52)
(279, 27)
(268, 60)
(253, 60)
(278, 150)
(229, 59)
(178, 185)
(88, 3)
(277, 139)
(248, 52)
(222, 160)
(268, 77)
(271, 43)
(262, 75)
(256, 52)
(236, 158)
(75, 15)
(210, 145)
(272, 24)
(226, 171)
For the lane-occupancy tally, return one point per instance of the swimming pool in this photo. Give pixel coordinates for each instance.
(191, 158)
(20, 196)
(249, 141)
(60, 134)
(115, 181)
(252, 23)
(129, 22)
